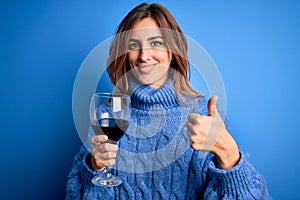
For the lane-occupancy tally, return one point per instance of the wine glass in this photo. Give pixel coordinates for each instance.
(109, 115)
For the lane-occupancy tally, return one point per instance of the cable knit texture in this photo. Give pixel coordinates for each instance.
(155, 160)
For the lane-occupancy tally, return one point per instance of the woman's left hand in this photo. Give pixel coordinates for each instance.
(208, 133)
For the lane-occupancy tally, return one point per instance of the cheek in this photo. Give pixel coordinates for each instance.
(132, 57)
(164, 57)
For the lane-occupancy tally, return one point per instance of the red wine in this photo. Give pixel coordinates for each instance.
(113, 128)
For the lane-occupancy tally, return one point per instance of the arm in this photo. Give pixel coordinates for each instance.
(76, 179)
(226, 171)
(74, 184)
(85, 167)
(79, 185)
(240, 182)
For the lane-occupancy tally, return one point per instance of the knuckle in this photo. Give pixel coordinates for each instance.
(196, 129)
(98, 139)
(110, 155)
(111, 162)
(106, 146)
(93, 151)
(113, 155)
(94, 139)
(196, 146)
(196, 139)
(189, 134)
(97, 156)
(114, 147)
(98, 162)
(188, 125)
(98, 148)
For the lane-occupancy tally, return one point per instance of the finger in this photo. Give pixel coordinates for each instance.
(103, 158)
(198, 125)
(196, 138)
(97, 139)
(196, 146)
(194, 118)
(189, 133)
(106, 147)
(192, 129)
(106, 156)
(110, 162)
(103, 162)
(189, 126)
(212, 106)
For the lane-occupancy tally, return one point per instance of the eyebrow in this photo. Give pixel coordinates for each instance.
(149, 39)
(155, 37)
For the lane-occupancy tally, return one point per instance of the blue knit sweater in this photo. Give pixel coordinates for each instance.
(155, 160)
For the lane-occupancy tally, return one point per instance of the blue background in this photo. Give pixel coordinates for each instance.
(255, 45)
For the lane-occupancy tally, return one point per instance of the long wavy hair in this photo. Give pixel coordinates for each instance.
(174, 39)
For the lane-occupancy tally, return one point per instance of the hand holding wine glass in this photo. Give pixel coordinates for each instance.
(109, 116)
(104, 153)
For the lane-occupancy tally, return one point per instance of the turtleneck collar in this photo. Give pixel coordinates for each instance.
(147, 98)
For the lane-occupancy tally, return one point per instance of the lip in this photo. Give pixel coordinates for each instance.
(145, 69)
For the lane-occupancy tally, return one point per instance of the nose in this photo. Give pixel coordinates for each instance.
(145, 54)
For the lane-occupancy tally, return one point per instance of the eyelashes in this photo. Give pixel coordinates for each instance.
(156, 43)
(134, 46)
(137, 45)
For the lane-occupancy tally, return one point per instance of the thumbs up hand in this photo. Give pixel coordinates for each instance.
(212, 107)
(208, 133)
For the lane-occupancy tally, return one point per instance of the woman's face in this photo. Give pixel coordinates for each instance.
(147, 53)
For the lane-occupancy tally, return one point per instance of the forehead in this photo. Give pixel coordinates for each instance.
(145, 28)
(145, 23)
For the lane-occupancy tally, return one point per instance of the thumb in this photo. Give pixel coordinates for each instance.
(212, 106)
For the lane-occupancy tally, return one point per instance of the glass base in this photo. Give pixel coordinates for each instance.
(106, 181)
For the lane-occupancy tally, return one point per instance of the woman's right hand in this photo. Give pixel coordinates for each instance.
(103, 153)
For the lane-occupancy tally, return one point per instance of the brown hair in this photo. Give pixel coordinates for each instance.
(174, 40)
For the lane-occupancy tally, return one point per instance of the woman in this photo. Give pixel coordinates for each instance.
(148, 60)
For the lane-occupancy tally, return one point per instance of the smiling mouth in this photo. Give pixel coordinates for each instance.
(145, 69)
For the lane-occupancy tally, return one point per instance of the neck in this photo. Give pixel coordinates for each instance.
(147, 97)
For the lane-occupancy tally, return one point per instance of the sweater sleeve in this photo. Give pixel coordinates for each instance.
(79, 179)
(239, 182)
(74, 184)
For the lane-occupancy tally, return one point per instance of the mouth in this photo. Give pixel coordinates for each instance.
(145, 69)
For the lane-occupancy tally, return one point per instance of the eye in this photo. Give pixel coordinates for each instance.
(134, 46)
(156, 43)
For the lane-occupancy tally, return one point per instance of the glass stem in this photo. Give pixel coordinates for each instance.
(107, 171)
